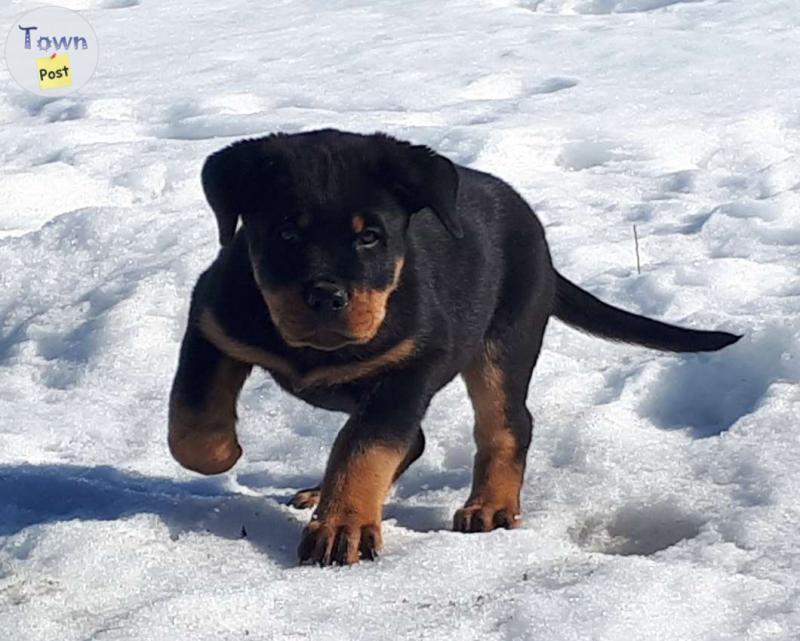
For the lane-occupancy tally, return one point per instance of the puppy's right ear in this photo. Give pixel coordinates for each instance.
(225, 174)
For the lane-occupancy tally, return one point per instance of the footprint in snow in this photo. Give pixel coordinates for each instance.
(599, 7)
(226, 116)
(708, 394)
(116, 4)
(51, 109)
(577, 156)
(637, 529)
(493, 86)
(82, 5)
(552, 85)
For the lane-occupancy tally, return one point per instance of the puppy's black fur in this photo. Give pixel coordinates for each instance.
(367, 274)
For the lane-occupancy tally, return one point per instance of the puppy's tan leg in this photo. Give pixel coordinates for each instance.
(380, 440)
(309, 497)
(347, 524)
(202, 410)
(502, 434)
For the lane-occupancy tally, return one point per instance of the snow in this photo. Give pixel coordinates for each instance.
(662, 496)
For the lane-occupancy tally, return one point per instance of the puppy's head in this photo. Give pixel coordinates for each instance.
(324, 214)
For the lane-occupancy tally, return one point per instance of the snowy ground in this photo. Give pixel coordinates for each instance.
(663, 494)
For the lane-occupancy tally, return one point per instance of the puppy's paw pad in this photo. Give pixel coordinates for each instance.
(484, 517)
(305, 499)
(328, 542)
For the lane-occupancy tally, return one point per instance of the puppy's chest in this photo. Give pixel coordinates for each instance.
(338, 398)
(309, 379)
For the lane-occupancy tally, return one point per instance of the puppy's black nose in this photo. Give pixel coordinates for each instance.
(324, 296)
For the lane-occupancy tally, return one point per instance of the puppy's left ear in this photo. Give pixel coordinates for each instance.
(422, 178)
(224, 183)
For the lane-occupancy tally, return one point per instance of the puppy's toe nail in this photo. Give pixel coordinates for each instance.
(306, 547)
(479, 522)
(345, 550)
(503, 519)
(461, 521)
(371, 543)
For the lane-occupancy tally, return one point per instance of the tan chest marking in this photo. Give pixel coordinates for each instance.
(327, 375)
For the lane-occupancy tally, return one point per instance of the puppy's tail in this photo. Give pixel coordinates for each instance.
(583, 311)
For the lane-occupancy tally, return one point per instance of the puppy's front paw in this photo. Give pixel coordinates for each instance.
(205, 452)
(483, 517)
(305, 499)
(344, 540)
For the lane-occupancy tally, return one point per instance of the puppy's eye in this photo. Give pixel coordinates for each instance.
(288, 233)
(368, 238)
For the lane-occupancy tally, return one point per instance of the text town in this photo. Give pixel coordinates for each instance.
(59, 43)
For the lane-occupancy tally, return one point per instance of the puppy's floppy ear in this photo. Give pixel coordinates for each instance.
(224, 179)
(422, 178)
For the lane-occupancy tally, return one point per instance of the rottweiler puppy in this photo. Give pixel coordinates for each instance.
(368, 272)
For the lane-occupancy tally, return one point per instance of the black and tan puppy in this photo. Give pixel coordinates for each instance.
(367, 274)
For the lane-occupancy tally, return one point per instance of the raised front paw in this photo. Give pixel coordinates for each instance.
(341, 540)
(485, 516)
(205, 452)
(305, 499)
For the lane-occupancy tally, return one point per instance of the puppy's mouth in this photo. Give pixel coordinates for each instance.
(300, 328)
(323, 338)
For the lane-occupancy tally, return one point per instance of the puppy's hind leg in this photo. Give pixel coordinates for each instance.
(497, 381)
(307, 498)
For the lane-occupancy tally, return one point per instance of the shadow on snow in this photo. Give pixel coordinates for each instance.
(35, 494)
